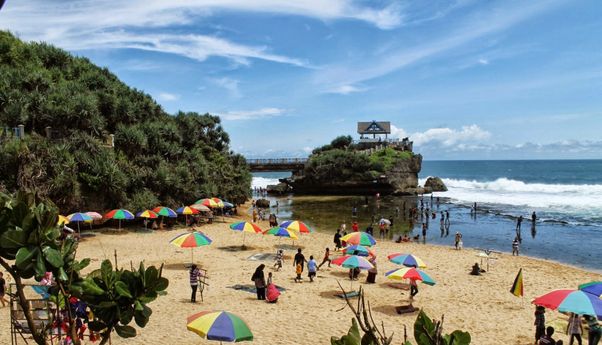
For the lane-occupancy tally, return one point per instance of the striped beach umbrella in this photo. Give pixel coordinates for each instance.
(571, 301)
(165, 211)
(219, 202)
(353, 261)
(191, 240)
(119, 214)
(595, 288)
(187, 210)
(245, 227)
(62, 220)
(94, 215)
(281, 232)
(200, 208)
(147, 214)
(219, 325)
(408, 260)
(358, 249)
(362, 238)
(410, 273)
(297, 226)
(208, 202)
(78, 217)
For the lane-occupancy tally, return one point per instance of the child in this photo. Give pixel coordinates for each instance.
(272, 292)
(343, 242)
(298, 270)
(540, 322)
(312, 267)
(326, 258)
(279, 260)
(269, 278)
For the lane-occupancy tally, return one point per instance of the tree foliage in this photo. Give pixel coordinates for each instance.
(158, 157)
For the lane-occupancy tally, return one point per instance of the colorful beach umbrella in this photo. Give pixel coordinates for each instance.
(353, 261)
(281, 232)
(297, 226)
(219, 202)
(245, 227)
(147, 214)
(219, 325)
(358, 249)
(94, 215)
(200, 208)
(79, 217)
(571, 301)
(595, 288)
(408, 260)
(191, 240)
(165, 211)
(228, 204)
(362, 238)
(208, 202)
(187, 210)
(119, 214)
(62, 220)
(410, 273)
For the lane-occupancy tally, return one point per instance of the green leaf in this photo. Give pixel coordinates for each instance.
(461, 338)
(351, 338)
(142, 317)
(122, 289)
(125, 331)
(90, 287)
(150, 276)
(62, 275)
(40, 268)
(106, 270)
(126, 316)
(138, 306)
(25, 256)
(107, 304)
(53, 257)
(162, 284)
(97, 326)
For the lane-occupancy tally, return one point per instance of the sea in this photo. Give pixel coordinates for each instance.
(566, 196)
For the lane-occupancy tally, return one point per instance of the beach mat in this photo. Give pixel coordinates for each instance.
(251, 288)
(406, 309)
(262, 257)
(401, 286)
(350, 294)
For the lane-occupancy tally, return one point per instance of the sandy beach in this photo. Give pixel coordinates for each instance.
(308, 312)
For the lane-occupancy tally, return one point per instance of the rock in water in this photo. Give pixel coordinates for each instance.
(279, 188)
(435, 184)
(262, 203)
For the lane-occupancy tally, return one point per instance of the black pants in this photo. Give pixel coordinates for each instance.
(573, 337)
(193, 296)
(261, 293)
(413, 290)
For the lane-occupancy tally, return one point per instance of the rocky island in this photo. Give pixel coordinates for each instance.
(366, 166)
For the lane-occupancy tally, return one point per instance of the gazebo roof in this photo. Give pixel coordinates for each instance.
(374, 127)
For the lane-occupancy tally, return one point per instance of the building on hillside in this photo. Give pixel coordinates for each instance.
(376, 133)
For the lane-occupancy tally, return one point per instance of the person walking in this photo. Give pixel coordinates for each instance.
(326, 258)
(413, 288)
(575, 329)
(312, 268)
(337, 240)
(259, 279)
(299, 259)
(458, 241)
(194, 276)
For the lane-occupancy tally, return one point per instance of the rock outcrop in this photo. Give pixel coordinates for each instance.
(280, 188)
(262, 203)
(435, 184)
(400, 179)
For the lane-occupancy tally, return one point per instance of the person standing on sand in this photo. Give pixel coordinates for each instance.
(312, 268)
(413, 288)
(355, 227)
(259, 279)
(299, 259)
(337, 240)
(194, 274)
(595, 331)
(540, 322)
(575, 329)
(326, 258)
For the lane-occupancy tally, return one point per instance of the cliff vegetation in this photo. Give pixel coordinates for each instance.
(157, 158)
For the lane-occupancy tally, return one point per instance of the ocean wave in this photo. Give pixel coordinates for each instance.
(584, 200)
(262, 182)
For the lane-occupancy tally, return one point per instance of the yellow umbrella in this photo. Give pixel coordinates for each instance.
(62, 220)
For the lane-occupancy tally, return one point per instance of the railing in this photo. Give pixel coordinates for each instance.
(276, 161)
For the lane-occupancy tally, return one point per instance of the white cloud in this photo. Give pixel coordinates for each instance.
(495, 20)
(483, 61)
(168, 97)
(251, 114)
(346, 89)
(445, 137)
(231, 85)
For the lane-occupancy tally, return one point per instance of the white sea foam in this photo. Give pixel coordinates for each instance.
(585, 200)
(262, 182)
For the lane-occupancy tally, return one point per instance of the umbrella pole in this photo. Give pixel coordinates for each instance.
(243, 238)
(191, 256)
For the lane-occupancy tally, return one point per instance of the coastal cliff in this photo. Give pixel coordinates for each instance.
(348, 171)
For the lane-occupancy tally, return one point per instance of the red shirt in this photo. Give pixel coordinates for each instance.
(355, 227)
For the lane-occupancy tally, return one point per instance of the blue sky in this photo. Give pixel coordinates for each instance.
(464, 79)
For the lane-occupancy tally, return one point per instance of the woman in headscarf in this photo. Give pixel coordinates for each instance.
(259, 279)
